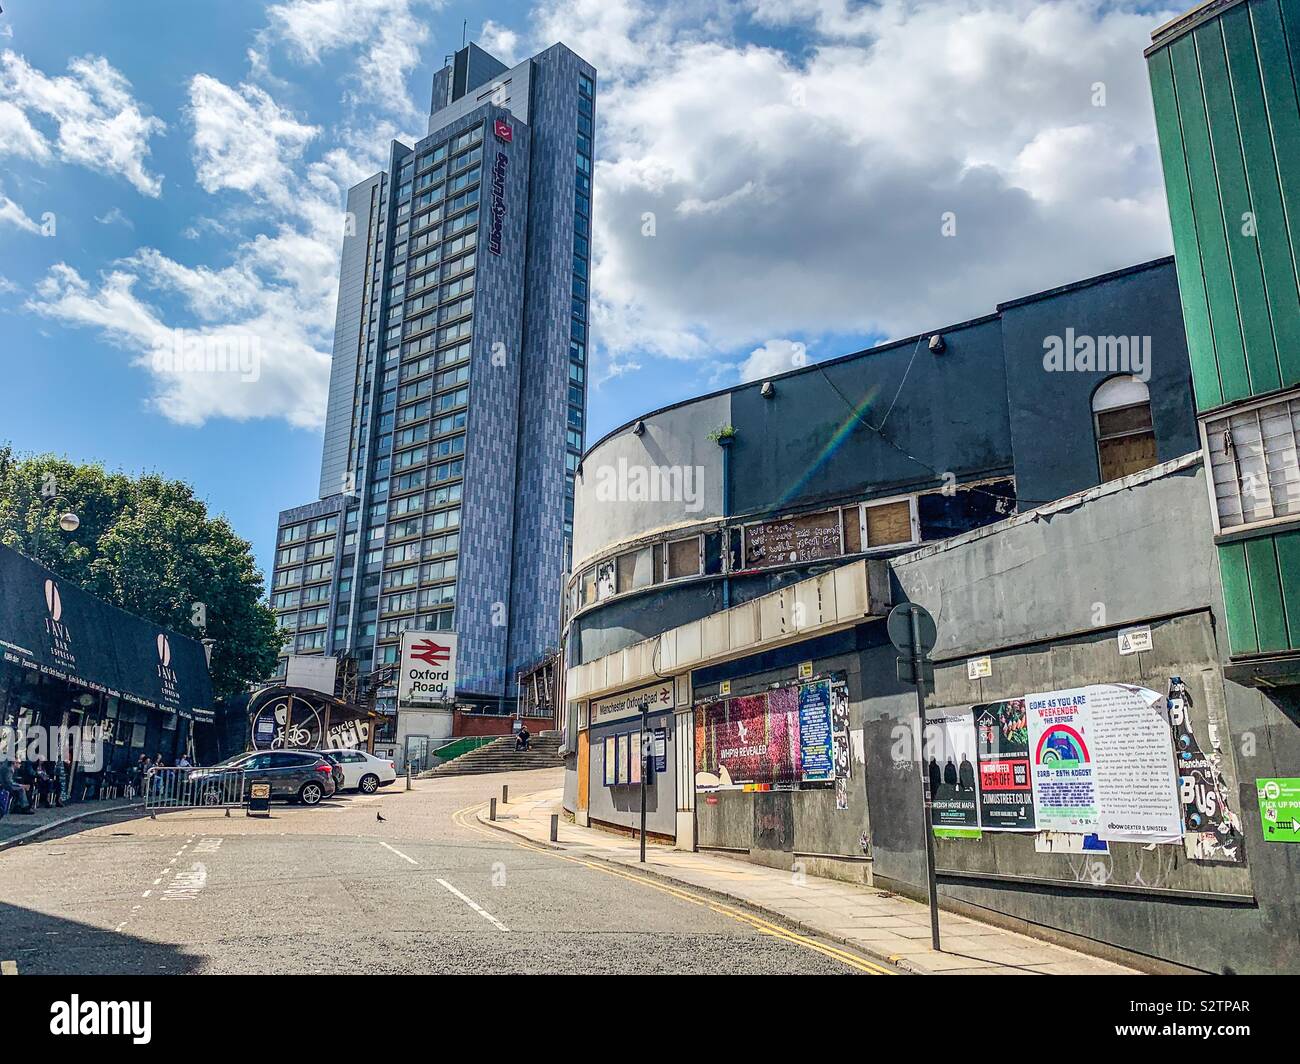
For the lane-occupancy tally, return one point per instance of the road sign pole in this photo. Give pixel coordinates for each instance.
(932, 886)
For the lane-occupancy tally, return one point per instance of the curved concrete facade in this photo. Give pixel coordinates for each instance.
(871, 454)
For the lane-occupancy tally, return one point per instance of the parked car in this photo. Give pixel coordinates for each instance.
(362, 771)
(294, 775)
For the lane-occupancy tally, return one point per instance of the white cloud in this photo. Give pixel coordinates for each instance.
(100, 125)
(115, 216)
(244, 141)
(12, 214)
(273, 300)
(387, 34)
(500, 41)
(775, 356)
(803, 192)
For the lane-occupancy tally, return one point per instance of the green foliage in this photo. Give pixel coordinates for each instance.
(148, 545)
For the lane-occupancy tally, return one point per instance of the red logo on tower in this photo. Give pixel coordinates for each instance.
(503, 130)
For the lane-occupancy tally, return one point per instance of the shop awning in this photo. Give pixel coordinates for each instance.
(50, 625)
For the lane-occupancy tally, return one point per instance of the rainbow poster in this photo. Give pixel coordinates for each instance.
(1061, 761)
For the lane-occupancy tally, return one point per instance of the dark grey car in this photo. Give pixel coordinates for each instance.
(293, 775)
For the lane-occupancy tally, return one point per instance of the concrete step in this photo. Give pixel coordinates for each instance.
(500, 755)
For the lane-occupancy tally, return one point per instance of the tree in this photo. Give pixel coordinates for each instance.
(147, 545)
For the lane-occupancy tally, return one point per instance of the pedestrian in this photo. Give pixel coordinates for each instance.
(521, 740)
(10, 785)
(184, 762)
(47, 780)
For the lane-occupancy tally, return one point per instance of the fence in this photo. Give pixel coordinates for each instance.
(193, 788)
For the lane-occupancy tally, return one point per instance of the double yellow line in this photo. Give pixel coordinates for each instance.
(462, 819)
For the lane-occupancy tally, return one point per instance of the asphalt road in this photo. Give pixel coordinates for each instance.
(334, 889)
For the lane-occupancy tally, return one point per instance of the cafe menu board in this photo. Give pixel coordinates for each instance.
(798, 539)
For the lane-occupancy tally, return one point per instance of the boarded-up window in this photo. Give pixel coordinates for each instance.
(809, 538)
(588, 588)
(852, 531)
(684, 558)
(1126, 442)
(889, 523)
(635, 569)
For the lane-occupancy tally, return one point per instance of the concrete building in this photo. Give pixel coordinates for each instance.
(1046, 504)
(457, 396)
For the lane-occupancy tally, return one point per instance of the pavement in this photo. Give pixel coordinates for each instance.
(17, 829)
(397, 882)
(893, 929)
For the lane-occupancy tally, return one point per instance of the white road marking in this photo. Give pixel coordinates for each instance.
(475, 906)
(8, 967)
(398, 852)
(157, 881)
(208, 846)
(146, 893)
(187, 884)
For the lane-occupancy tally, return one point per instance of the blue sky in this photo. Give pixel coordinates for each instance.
(171, 165)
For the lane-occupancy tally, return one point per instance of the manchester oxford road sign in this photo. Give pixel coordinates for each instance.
(428, 669)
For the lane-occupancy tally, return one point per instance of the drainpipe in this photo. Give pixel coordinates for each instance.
(725, 443)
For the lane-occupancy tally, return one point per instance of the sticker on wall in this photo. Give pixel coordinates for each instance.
(724, 688)
(977, 668)
(1279, 809)
(1211, 830)
(805, 670)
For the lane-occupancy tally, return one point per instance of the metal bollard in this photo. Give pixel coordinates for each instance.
(408, 775)
(492, 809)
(505, 795)
(555, 827)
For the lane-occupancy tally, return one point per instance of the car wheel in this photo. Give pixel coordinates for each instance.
(369, 783)
(311, 794)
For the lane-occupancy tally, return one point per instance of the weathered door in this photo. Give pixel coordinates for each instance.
(584, 770)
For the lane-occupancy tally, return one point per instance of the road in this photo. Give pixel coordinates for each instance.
(333, 888)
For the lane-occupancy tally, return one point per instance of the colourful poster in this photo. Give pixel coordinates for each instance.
(752, 739)
(1102, 762)
(1061, 761)
(815, 732)
(950, 765)
(1002, 747)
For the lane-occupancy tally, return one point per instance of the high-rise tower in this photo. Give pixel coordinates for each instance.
(457, 398)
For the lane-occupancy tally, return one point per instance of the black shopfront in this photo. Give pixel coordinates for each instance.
(71, 664)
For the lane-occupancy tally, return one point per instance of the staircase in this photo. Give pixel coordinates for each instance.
(500, 755)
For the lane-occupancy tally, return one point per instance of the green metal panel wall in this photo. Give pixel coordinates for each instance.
(1228, 120)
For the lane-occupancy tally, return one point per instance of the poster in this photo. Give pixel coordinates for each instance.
(611, 761)
(950, 763)
(751, 739)
(1212, 831)
(1101, 762)
(1006, 798)
(634, 755)
(1061, 767)
(841, 793)
(1279, 809)
(624, 769)
(815, 732)
(661, 750)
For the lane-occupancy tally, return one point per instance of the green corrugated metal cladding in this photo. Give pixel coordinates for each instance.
(1228, 120)
(1223, 80)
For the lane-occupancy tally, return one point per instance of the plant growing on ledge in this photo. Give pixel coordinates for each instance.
(723, 435)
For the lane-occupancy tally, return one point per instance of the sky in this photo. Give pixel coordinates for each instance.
(777, 182)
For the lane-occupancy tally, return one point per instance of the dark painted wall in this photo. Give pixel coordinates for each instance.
(950, 416)
(1051, 411)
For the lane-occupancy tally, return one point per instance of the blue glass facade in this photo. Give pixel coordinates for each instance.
(457, 396)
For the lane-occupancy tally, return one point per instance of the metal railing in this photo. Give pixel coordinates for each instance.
(192, 788)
